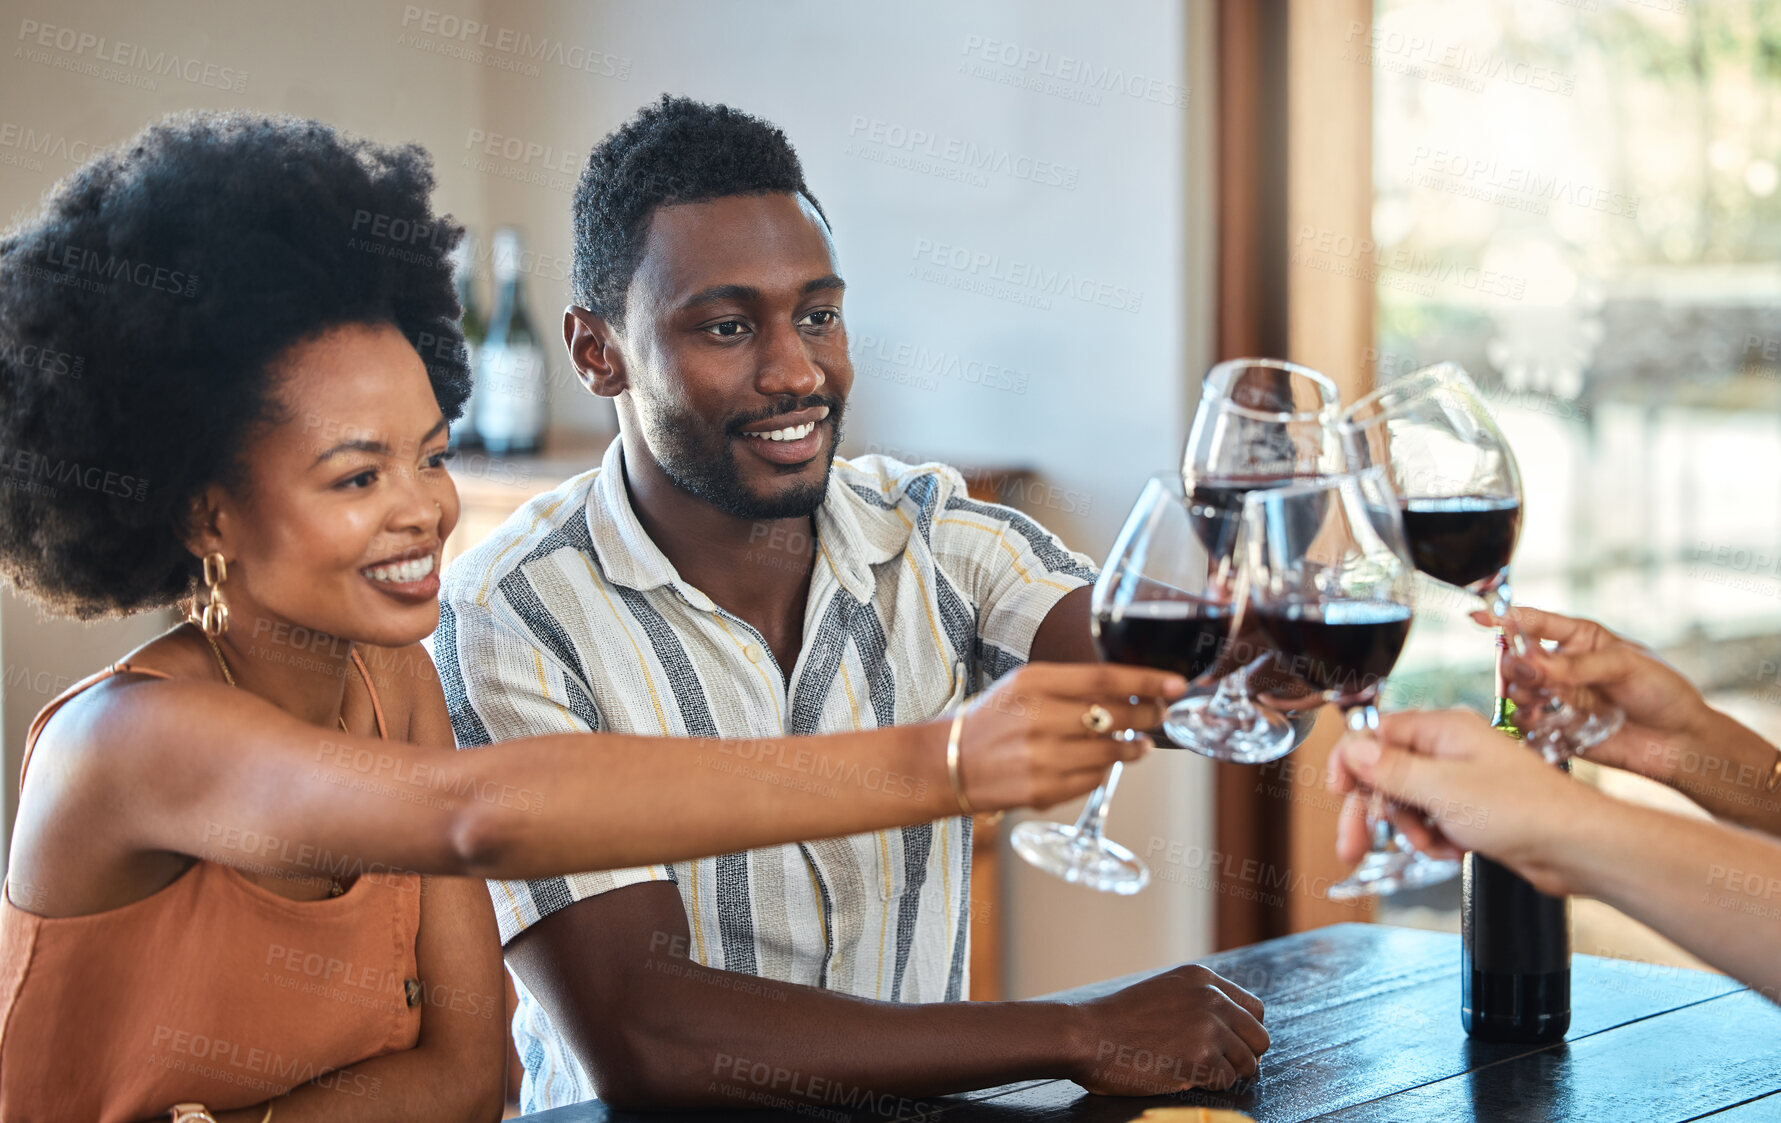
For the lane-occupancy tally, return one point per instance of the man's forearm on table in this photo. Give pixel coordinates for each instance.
(701, 1037)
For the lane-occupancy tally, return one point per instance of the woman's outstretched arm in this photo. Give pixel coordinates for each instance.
(198, 768)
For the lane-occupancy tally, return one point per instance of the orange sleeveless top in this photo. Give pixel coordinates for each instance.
(211, 989)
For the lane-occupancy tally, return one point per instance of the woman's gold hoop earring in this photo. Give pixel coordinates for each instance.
(213, 616)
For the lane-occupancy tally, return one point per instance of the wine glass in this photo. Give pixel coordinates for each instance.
(1261, 423)
(1328, 586)
(1155, 606)
(1461, 494)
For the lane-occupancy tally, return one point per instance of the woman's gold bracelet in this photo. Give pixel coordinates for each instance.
(952, 760)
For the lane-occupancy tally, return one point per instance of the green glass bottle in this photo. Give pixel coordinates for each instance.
(463, 259)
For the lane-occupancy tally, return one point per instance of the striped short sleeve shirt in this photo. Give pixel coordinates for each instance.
(568, 618)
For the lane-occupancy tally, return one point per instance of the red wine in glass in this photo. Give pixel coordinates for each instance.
(1217, 509)
(1172, 635)
(1342, 648)
(1462, 539)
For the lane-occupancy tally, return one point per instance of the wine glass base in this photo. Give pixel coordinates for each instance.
(1384, 872)
(1561, 732)
(1247, 734)
(1061, 851)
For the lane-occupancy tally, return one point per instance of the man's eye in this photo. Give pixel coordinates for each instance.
(728, 328)
(824, 317)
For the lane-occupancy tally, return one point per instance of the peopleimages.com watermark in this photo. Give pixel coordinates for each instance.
(21, 146)
(1064, 76)
(1400, 267)
(1511, 185)
(1014, 279)
(770, 1085)
(926, 366)
(264, 1071)
(129, 64)
(503, 48)
(951, 157)
(1448, 64)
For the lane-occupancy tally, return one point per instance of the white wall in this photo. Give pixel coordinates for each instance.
(331, 59)
(1105, 392)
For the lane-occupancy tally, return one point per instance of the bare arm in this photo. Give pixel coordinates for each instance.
(224, 775)
(1671, 734)
(653, 1028)
(1712, 888)
(1064, 635)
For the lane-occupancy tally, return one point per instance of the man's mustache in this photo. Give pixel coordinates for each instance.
(735, 425)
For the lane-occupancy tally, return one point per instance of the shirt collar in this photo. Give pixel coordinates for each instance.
(852, 533)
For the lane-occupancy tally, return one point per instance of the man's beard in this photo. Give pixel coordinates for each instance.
(701, 461)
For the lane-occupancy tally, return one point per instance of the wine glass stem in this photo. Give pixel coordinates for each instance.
(1094, 813)
(1378, 824)
(1231, 700)
(1364, 718)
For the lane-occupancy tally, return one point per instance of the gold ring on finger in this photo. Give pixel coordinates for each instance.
(1097, 719)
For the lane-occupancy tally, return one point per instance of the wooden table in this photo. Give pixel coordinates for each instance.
(1365, 1026)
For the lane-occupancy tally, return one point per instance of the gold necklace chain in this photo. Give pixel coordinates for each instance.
(230, 679)
(335, 889)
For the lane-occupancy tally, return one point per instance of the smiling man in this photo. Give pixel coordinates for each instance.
(722, 574)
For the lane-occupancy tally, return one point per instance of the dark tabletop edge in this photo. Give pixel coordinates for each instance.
(1776, 1096)
(1565, 1042)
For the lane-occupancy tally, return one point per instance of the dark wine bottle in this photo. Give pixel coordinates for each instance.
(1515, 958)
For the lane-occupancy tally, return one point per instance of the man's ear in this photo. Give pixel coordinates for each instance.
(594, 352)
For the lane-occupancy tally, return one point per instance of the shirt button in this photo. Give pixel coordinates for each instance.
(754, 652)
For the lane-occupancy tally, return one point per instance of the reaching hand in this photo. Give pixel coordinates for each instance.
(1024, 743)
(1461, 785)
(1665, 714)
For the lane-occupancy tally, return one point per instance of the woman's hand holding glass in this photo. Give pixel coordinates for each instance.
(1155, 604)
(1024, 742)
(1460, 491)
(1457, 785)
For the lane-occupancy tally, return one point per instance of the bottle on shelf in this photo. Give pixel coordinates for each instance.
(1515, 965)
(463, 261)
(510, 406)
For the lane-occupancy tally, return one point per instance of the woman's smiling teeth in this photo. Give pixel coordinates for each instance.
(412, 570)
(795, 433)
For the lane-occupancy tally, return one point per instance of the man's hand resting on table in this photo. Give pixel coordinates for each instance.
(1185, 1028)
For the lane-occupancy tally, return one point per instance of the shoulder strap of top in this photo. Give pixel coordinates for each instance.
(49, 711)
(121, 668)
(376, 706)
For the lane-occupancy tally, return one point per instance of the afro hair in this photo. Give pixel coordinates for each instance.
(142, 314)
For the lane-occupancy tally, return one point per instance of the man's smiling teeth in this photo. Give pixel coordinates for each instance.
(412, 570)
(796, 432)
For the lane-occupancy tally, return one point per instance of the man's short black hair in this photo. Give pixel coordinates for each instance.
(675, 151)
(142, 316)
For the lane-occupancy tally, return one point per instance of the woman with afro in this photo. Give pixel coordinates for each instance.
(241, 880)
